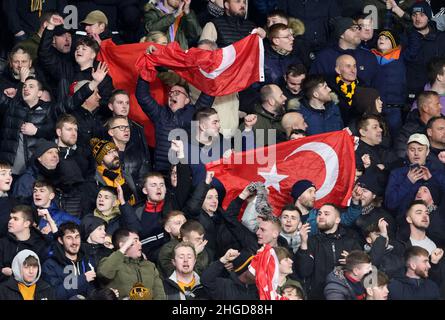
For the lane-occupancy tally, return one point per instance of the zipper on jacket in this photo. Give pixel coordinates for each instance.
(138, 273)
(333, 252)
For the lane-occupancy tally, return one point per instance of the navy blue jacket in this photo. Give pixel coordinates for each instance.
(275, 64)
(400, 191)
(413, 289)
(315, 15)
(366, 63)
(432, 46)
(165, 120)
(59, 216)
(391, 79)
(321, 121)
(59, 271)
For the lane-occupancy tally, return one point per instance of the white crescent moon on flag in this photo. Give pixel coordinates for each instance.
(229, 56)
(330, 160)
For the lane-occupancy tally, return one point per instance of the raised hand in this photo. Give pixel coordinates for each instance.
(100, 73)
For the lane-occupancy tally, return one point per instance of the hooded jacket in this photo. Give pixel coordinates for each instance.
(59, 271)
(59, 216)
(10, 291)
(321, 121)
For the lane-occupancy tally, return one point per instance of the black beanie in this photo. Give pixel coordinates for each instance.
(242, 262)
(42, 146)
(392, 36)
(374, 181)
(300, 187)
(340, 25)
(89, 224)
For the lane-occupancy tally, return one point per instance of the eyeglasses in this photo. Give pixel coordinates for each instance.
(355, 27)
(121, 128)
(290, 37)
(175, 93)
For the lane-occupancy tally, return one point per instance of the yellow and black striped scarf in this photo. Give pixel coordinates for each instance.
(348, 90)
(37, 5)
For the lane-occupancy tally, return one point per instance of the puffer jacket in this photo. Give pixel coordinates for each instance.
(337, 286)
(16, 114)
(230, 29)
(405, 288)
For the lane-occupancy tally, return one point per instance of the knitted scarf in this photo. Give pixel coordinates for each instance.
(215, 10)
(348, 90)
(114, 177)
(37, 5)
(367, 210)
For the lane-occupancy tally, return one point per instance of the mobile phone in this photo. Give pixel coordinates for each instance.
(414, 166)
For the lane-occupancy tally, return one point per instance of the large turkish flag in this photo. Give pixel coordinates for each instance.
(327, 159)
(121, 63)
(217, 73)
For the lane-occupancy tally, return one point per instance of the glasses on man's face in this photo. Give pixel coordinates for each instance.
(355, 28)
(289, 36)
(175, 93)
(121, 128)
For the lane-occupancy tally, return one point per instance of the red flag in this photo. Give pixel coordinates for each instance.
(121, 62)
(265, 268)
(217, 73)
(327, 159)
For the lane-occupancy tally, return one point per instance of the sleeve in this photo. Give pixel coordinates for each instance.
(410, 52)
(193, 206)
(399, 189)
(378, 251)
(304, 261)
(351, 214)
(184, 185)
(192, 29)
(129, 218)
(155, 23)
(210, 277)
(47, 60)
(47, 128)
(332, 291)
(204, 101)
(150, 107)
(109, 266)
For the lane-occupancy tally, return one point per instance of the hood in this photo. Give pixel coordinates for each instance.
(17, 264)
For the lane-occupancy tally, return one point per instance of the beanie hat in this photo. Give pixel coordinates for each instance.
(242, 262)
(340, 25)
(364, 100)
(100, 148)
(60, 30)
(392, 36)
(89, 224)
(300, 187)
(42, 146)
(374, 181)
(422, 6)
(434, 191)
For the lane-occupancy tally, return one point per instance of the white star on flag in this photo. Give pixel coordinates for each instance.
(272, 178)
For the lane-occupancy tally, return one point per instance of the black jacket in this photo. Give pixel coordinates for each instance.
(10, 246)
(231, 29)
(405, 288)
(220, 287)
(17, 112)
(9, 290)
(322, 255)
(378, 155)
(174, 292)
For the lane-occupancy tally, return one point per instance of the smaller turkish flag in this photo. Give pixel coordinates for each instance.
(328, 160)
(216, 73)
(265, 268)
